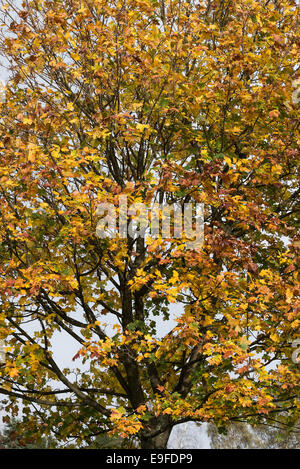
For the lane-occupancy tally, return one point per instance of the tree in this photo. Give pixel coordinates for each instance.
(12, 437)
(164, 101)
(266, 436)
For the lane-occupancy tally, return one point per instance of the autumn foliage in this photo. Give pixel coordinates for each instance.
(173, 101)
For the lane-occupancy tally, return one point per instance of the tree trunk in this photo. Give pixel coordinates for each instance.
(157, 442)
(156, 439)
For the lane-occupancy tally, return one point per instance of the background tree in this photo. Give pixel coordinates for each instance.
(266, 436)
(13, 437)
(169, 101)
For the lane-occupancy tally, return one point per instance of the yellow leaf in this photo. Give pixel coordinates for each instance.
(228, 161)
(168, 410)
(13, 372)
(289, 295)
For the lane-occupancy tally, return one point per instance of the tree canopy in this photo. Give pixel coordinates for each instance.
(166, 101)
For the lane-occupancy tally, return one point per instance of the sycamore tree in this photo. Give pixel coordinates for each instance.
(167, 102)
